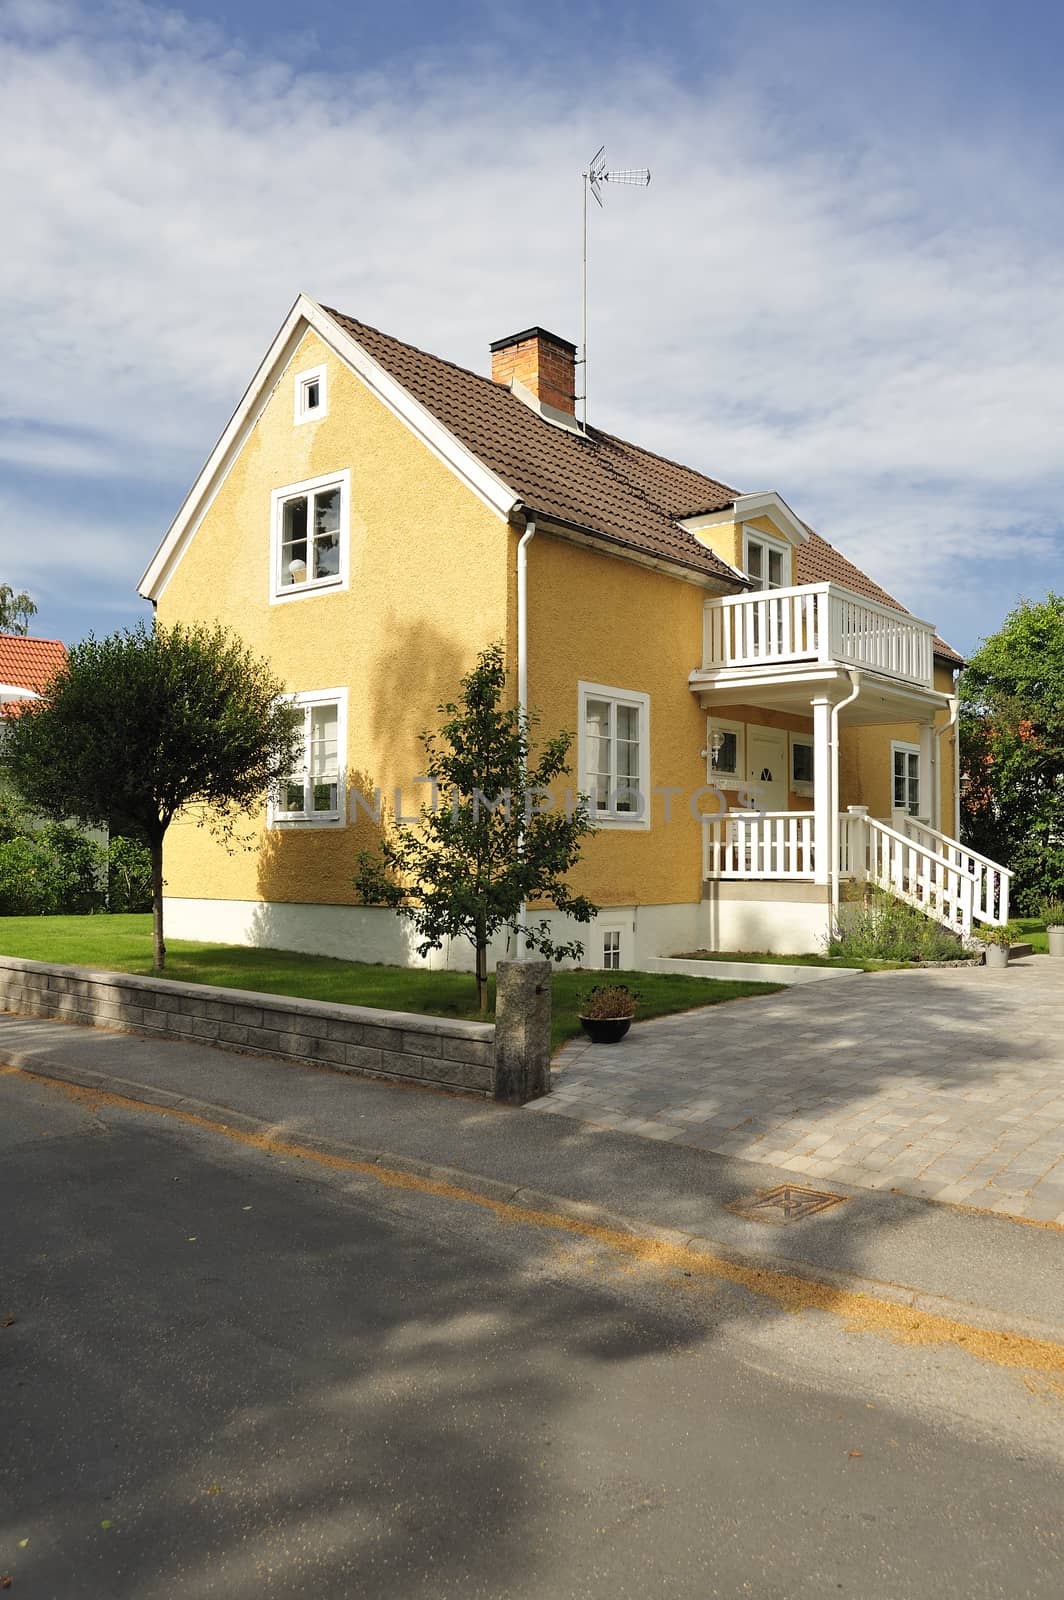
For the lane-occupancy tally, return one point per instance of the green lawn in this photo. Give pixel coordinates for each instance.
(123, 944)
(1034, 934)
(791, 961)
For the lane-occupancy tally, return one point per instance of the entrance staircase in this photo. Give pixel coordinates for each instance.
(948, 881)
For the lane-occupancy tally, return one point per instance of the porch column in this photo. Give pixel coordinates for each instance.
(929, 799)
(824, 758)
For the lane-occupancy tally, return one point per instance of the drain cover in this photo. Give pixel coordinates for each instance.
(788, 1202)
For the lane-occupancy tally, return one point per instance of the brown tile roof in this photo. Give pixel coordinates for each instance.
(29, 663)
(600, 484)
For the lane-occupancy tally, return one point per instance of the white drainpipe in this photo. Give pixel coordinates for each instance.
(954, 709)
(833, 831)
(522, 656)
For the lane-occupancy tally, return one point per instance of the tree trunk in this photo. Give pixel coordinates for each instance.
(482, 971)
(158, 947)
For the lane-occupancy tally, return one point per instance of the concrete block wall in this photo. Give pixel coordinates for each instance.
(394, 1045)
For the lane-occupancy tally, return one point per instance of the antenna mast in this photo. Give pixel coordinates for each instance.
(594, 177)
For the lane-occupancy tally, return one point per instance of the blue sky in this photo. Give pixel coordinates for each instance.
(846, 281)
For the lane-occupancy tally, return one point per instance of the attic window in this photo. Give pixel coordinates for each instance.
(311, 395)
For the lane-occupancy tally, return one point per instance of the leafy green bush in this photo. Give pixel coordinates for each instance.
(51, 870)
(128, 875)
(885, 929)
(1052, 913)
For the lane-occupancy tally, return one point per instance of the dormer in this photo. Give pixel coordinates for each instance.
(756, 535)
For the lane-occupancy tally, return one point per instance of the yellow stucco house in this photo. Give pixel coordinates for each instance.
(758, 723)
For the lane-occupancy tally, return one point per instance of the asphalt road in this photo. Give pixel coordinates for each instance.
(232, 1374)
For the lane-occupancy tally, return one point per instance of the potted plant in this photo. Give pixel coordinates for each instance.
(998, 943)
(606, 1012)
(1052, 913)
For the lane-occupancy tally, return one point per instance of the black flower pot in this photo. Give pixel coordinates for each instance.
(605, 1030)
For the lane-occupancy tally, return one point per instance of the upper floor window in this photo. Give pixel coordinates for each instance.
(767, 562)
(314, 790)
(310, 537)
(311, 394)
(614, 755)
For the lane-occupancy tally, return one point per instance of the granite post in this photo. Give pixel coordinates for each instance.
(522, 1030)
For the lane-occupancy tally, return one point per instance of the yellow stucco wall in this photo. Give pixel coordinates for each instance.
(598, 619)
(866, 771)
(429, 573)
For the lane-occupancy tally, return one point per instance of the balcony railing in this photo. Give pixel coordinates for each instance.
(817, 623)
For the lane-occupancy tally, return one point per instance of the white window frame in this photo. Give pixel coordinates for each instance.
(806, 740)
(303, 380)
(726, 780)
(899, 745)
(767, 542)
(307, 699)
(616, 932)
(281, 594)
(624, 697)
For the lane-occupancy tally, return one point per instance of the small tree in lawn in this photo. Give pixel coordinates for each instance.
(142, 726)
(488, 841)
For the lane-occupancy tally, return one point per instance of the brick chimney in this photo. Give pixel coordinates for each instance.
(541, 361)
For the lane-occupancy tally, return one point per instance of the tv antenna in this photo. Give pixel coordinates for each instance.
(595, 176)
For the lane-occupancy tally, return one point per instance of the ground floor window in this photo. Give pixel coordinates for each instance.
(313, 791)
(906, 758)
(801, 764)
(615, 754)
(611, 950)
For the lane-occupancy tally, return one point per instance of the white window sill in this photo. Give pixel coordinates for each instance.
(306, 822)
(301, 591)
(606, 819)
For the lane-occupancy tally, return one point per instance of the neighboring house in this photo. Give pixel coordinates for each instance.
(374, 515)
(26, 666)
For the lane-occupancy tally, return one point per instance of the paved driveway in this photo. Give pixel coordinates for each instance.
(947, 1084)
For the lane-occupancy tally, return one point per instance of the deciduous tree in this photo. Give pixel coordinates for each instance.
(143, 726)
(494, 835)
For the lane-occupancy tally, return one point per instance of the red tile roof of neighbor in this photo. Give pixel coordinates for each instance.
(29, 663)
(605, 486)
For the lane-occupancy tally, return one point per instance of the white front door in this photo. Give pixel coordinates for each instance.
(766, 766)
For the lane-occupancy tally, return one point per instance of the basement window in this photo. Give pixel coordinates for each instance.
(310, 394)
(310, 537)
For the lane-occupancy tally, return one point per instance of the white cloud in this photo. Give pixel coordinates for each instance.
(844, 323)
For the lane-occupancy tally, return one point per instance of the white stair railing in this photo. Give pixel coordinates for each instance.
(937, 875)
(993, 882)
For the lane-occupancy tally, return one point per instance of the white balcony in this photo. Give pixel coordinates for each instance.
(819, 624)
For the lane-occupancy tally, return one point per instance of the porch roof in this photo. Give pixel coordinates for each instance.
(793, 689)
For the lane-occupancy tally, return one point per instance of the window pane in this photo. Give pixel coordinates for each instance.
(626, 777)
(323, 742)
(292, 794)
(598, 744)
(726, 759)
(310, 395)
(802, 763)
(754, 553)
(775, 569)
(294, 541)
(327, 533)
